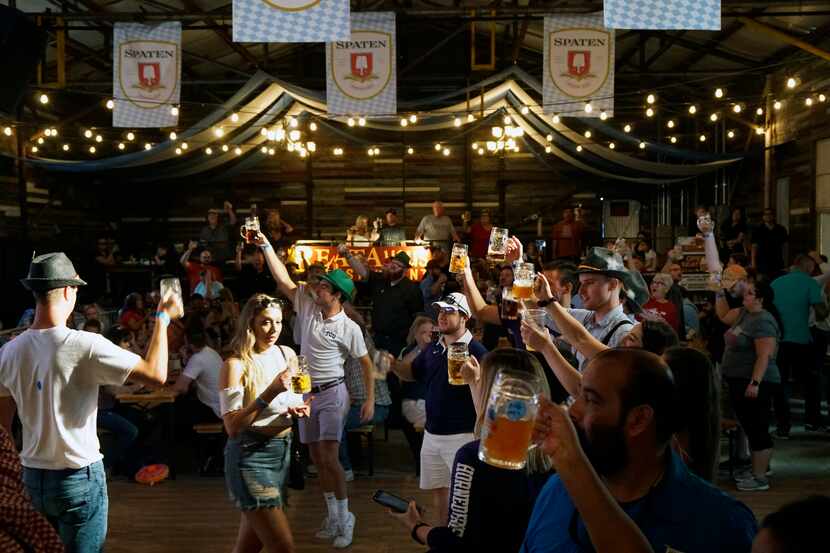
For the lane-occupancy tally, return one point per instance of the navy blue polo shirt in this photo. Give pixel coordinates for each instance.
(450, 408)
(683, 513)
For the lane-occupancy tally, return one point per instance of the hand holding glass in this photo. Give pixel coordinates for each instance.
(509, 419)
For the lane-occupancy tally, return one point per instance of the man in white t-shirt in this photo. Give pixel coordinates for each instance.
(52, 375)
(202, 368)
(328, 339)
(437, 228)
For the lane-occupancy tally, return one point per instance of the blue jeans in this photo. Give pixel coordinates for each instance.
(74, 501)
(353, 421)
(125, 434)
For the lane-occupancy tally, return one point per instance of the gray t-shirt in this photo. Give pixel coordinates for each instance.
(739, 353)
(436, 228)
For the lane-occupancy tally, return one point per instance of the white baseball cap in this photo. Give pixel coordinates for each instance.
(455, 301)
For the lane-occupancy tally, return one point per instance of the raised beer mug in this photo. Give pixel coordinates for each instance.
(497, 248)
(458, 259)
(523, 276)
(508, 420)
(457, 355)
(300, 377)
(250, 229)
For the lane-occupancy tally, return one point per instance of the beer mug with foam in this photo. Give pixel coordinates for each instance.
(250, 229)
(457, 355)
(523, 276)
(508, 420)
(458, 258)
(497, 248)
(300, 377)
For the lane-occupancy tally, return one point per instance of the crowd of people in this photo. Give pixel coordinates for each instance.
(628, 376)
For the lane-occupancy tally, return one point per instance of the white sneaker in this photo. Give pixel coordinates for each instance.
(345, 533)
(349, 475)
(328, 530)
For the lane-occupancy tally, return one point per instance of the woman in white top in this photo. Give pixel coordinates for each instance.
(257, 407)
(360, 234)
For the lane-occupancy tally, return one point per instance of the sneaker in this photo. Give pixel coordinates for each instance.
(742, 474)
(345, 533)
(349, 475)
(328, 530)
(769, 472)
(754, 484)
(782, 434)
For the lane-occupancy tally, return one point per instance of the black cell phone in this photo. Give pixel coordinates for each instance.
(397, 504)
(435, 335)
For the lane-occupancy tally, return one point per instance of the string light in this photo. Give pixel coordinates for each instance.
(184, 145)
(121, 146)
(822, 98)
(311, 147)
(410, 150)
(703, 138)
(692, 109)
(361, 122)
(292, 122)
(588, 107)
(718, 93)
(507, 120)
(7, 131)
(271, 151)
(404, 122)
(588, 134)
(234, 117)
(209, 150)
(88, 133)
(110, 104)
(131, 136)
(737, 108)
(649, 112)
(218, 132)
(579, 148)
(650, 99)
(47, 132)
(759, 130)
(44, 99)
(370, 152)
(438, 146)
(237, 151)
(713, 117)
(99, 138)
(413, 118)
(294, 135)
(40, 140)
(174, 111)
(350, 122)
(673, 139)
(776, 105)
(670, 123)
(548, 149)
(642, 145)
(556, 119)
(611, 145)
(549, 138)
(312, 126)
(481, 151)
(603, 115)
(525, 110)
(148, 146)
(66, 147)
(173, 135)
(470, 118)
(446, 152)
(457, 122)
(791, 83)
(264, 149)
(377, 151)
(627, 128)
(92, 149)
(808, 101)
(225, 147)
(730, 134)
(34, 149)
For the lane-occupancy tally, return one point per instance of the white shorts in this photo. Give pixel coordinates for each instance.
(415, 411)
(438, 456)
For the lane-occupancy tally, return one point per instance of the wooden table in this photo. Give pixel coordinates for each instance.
(151, 400)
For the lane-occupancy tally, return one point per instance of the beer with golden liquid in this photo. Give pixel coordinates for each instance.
(509, 309)
(457, 264)
(454, 365)
(521, 292)
(507, 442)
(301, 383)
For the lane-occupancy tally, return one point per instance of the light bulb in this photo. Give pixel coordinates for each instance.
(457, 122)
(40, 140)
(588, 134)
(311, 147)
(703, 138)
(66, 147)
(470, 118)
(808, 101)
(121, 146)
(184, 145)
(475, 146)
(92, 149)
(410, 150)
(88, 133)
(338, 151)
(446, 152)
(47, 132)
(438, 147)
(225, 147)
(174, 111)
(548, 149)
(350, 122)
(627, 128)
(579, 148)
(370, 151)
(670, 123)
(264, 149)
(294, 135)
(822, 98)
(759, 130)
(713, 117)
(237, 151)
(481, 151)
(507, 120)
(730, 134)
(556, 119)
(603, 115)
(588, 107)
(497, 132)
(99, 138)
(312, 126)
(272, 151)
(549, 138)
(218, 132)
(173, 135)
(148, 146)
(649, 112)
(209, 150)
(737, 108)
(7, 131)
(361, 122)
(791, 83)
(44, 99)
(279, 134)
(110, 104)
(642, 145)
(650, 99)
(673, 140)
(234, 117)
(263, 131)
(693, 109)
(776, 105)
(130, 136)
(759, 111)
(612, 146)
(34, 149)
(718, 93)
(413, 118)
(525, 110)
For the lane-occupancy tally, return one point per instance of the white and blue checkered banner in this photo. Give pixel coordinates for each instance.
(146, 78)
(578, 66)
(361, 74)
(663, 14)
(290, 20)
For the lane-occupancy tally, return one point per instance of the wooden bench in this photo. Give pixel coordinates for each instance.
(368, 432)
(207, 434)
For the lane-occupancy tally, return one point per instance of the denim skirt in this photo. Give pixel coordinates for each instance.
(256, 468)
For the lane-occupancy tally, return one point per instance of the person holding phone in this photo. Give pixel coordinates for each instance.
(257, 407)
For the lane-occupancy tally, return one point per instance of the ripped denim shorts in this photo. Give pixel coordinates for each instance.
(256, 467)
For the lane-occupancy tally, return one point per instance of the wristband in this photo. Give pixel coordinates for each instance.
(163, 317)
(265, 246)
(544, 303)
(414, 533)
(754, 383)
(261, 403)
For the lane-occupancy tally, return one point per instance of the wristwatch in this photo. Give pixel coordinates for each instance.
(414, 533)
(754, 383)
(544, 303)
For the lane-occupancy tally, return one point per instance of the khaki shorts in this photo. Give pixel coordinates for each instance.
(328, 415)
(437, 458)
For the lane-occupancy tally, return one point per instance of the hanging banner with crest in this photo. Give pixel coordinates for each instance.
(578, 66)
(290, 20)
(147, 65)
(361, 71)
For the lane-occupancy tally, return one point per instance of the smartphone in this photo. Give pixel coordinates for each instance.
(397, 504)
(172, 287)
(435, 335)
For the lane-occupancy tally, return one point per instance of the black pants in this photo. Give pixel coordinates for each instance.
(753, 414)
(794, 360)
(817, 380)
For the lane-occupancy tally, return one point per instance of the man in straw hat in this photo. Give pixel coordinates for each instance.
(327, 339)
(51, 374)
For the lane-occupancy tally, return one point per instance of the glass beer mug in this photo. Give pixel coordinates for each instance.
(458, 259)
(523, 276)
(497, 248)
(457, 355)
(250, 229)
(508, 421)
(300, 377)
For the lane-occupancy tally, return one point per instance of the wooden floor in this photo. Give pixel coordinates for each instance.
(193, 514)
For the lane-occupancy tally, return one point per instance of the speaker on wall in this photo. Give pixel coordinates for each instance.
(22, 44)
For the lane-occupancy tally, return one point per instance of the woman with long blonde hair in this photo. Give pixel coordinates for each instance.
(257, 406)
